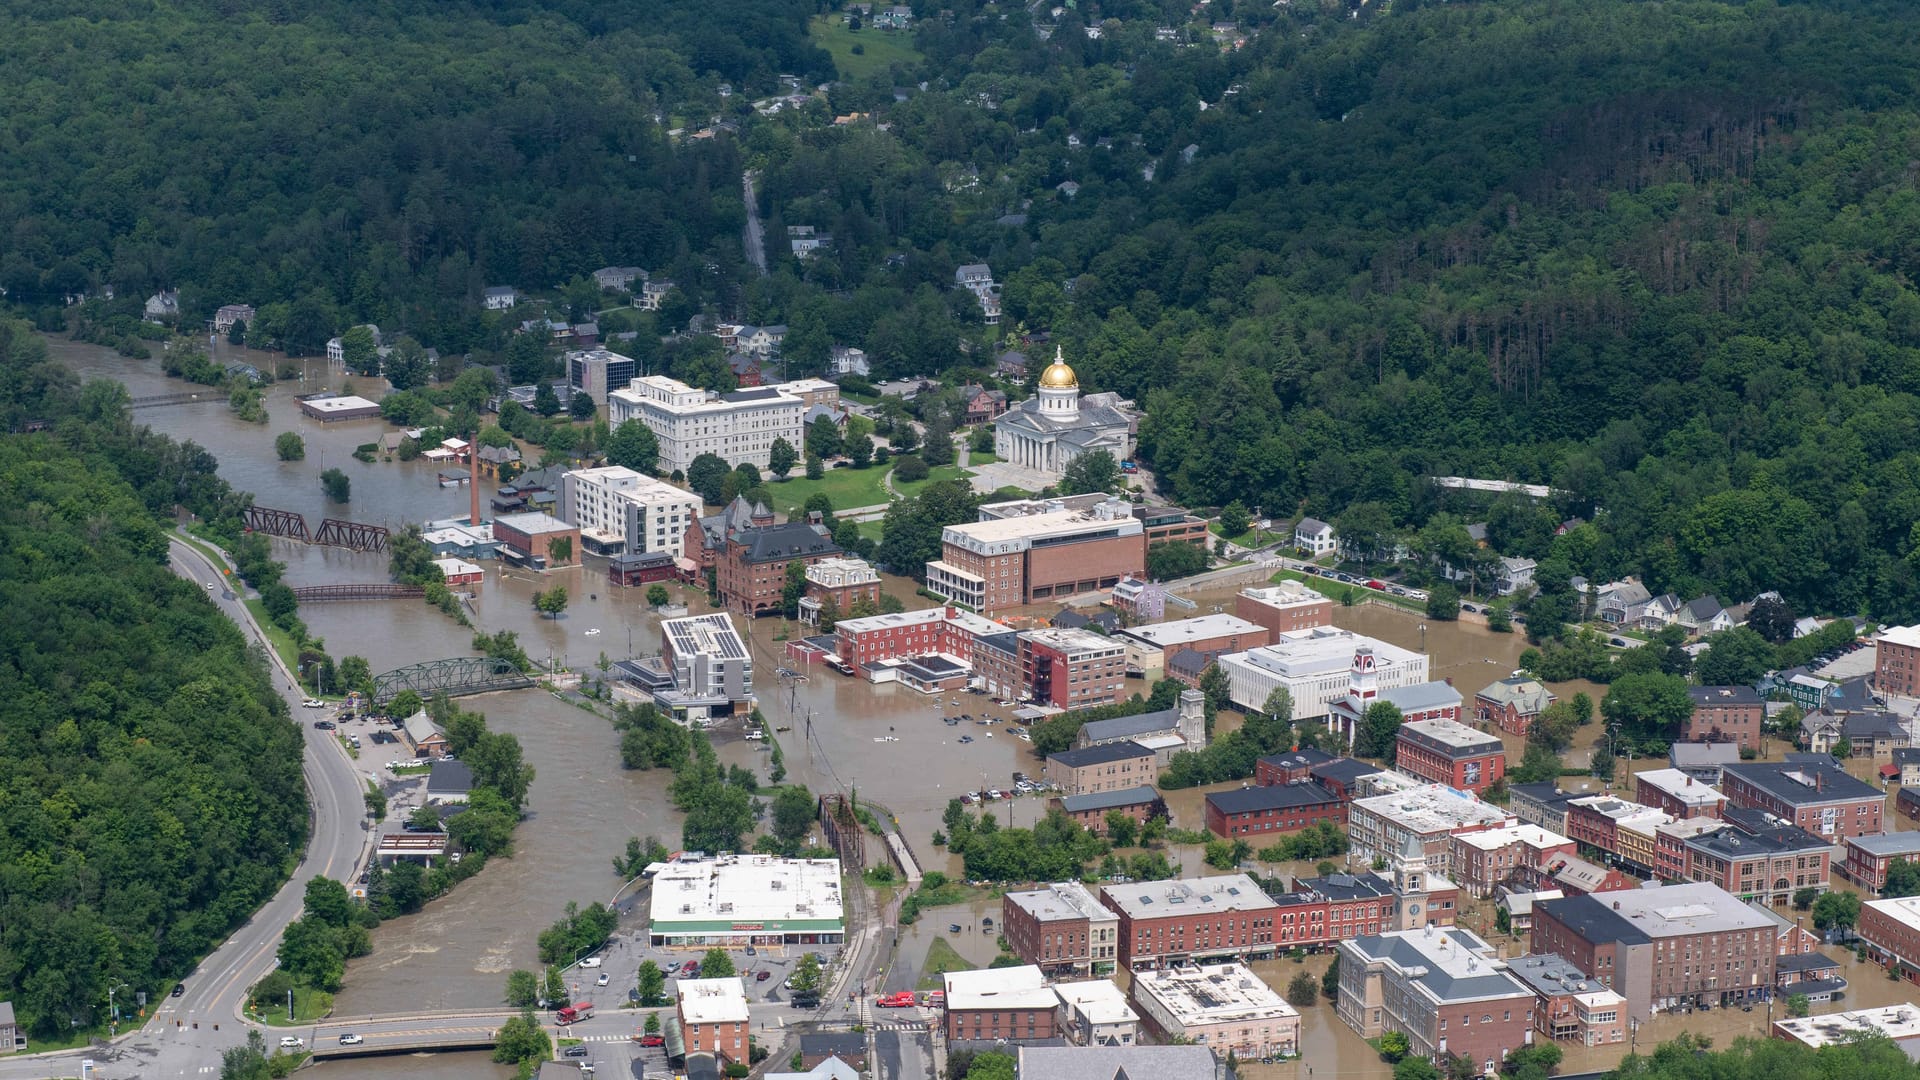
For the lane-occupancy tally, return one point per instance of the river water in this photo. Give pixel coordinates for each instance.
(885, 742)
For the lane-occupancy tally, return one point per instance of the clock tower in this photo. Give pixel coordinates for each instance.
(1410, 885)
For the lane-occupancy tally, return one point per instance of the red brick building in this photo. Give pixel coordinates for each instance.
(1594, 820)
(1512, 703)
(1484, 860)
(1061, 928)
(1256, 813)
(1663, 947)
(1090, 811)
(1724, 714)
(843, 583)
(1162, 922)
(1024, 552)
(1814, 794)
(1073, 669)
(1451, 753)
(714, 1017)
(1014, 1004)
(536, 540)
(1284, 607)
(1676, 793)
(1292, 767)
(1756, 860)
(1896, 661)
(752, 571)
(1323, 911)
(1892, 932)
(866, 641)
(1870, 857)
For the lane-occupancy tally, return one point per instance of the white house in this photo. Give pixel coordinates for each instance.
(1515, 575)
(610, 278)
(848, 360)
(164, 304)
(500, 297)
(1314, 537)
(650, 295)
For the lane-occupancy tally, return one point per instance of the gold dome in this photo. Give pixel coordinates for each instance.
(1058, 375)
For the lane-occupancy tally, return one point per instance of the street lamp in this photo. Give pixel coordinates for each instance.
(1423, 637)
(113, 1014)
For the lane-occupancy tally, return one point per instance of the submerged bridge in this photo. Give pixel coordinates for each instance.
(333, 532)
(405, 1034)
(308, 594)
(455, 677)
(186, 397)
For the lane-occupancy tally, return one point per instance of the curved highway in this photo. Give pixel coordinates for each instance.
(180, 1038)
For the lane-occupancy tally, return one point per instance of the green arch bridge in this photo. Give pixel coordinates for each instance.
(455, 677)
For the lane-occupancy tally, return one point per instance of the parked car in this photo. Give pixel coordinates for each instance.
(603, 980)
(575, 1052)
(350, 1039)
(763, 975)
(313, 703)
(653, 1040)
(590, 962)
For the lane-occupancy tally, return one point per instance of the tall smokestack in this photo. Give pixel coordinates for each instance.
(473, 484)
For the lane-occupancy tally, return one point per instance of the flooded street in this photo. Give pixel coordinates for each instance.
(886, 743)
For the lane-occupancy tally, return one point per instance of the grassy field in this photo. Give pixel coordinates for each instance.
(879, 49)
(848, 488)
(944, 472)
(1336, 591)
(308, 1005)
(982, 457)
(873, 530)
(1245, 539)
(282, 641)
(941, 958)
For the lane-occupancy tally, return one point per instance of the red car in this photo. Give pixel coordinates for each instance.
(653, 1040)
(689, 969)
(763, 976)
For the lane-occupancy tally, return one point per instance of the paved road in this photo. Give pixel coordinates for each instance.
(753, 240)
(180, 1039)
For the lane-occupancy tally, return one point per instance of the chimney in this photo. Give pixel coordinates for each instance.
(1616, 905)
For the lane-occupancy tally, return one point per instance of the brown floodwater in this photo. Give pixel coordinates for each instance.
(583, 806)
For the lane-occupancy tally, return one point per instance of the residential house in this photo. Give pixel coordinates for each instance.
(1315, 537)
(1874, 734)
(1704, 615)
(500, 297)
(614, 278)
(1622, 603)
(1516, 575)
(449, 782)
(650, 295)
(983, 405)
(163, 305)
(1512, 703)
(229, 314)
(848, 360)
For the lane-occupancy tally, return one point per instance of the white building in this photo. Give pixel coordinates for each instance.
(500, 297)
(740, 426)
(598, 372)
(1315, 537)
(733, 900)
(1315, 666)
(1223, 1007)
(1046, 432)
(618, 511)
(709, 660)
(1096, 1013)
(1901, 1023)
(1430, 814)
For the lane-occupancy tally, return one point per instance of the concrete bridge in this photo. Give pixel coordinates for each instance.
(308, 594)
(403, 1035)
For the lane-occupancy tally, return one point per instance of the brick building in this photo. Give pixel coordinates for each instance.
(1757, 858)
(1818, 796)
(1014, 1004)
(843, 582)
(536, 540)
(1482, 861)
(1148, 647)
(1023, 552)
(1379, 825)
(867, 641)
(1578, 877)
(1676, 793)
(1109, 767)
(1724, 714)
(1163, 922)
(1891, 929)
(1664, 946)
(1292, 767)
(1451, 753)
(751, 573)
(1896, 661)
(1286, 606)
(1142, 804)
(1571, 1007)
(1256, 813)
(1512, 703)
(1442, 988)
(1870, 857)
(1344, 777)
(1172, 525)
(1595, 820)
(1224, 1007)
(714, 1018)
(1073, 669)
(1061, 928)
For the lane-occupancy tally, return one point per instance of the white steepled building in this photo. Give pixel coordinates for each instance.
(1056, 425)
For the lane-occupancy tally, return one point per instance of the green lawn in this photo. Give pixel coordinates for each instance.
(879, 49)
(944, 472)
(1245, 539)
(308, 1005)
(874, 530)
(941, 958)
(981, 457)
(848, 488)
(282, 641)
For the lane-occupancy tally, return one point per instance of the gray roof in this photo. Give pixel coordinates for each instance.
(1723, 695)
(1550, 973)
(1192, 662)
(1422, 696)
(1811, 961)
(419, 727)
(1274, 797)
(1777, 778)
(450, 778)
(1907, 755)
(1638, 916)
(1345, 770)
(1299, 759)
(1100, 755)
(1446, 986)
(793, 540)
(1092, 416)
(833, 1042)
(1109, 800)
(1127, 727)
(1893, 843)
(1702, 608)
(1311, 525)
(1592, 919)
(1524, 692)
(6, 1014)
(1110, 1062)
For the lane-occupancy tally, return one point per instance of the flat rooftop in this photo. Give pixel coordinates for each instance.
(1098, 1000)
(1451, 736)
(977, 625)
(1019, 532)
(713, 1001)
(1187, 896)
(1432, 808)
(1897, 1022)
(1680, 787)
(1168, 635)
(1000, 988)
(1893, 843)
(1323, 650)
(1212, 994)
(532, 524)
(1531, 835)
(341, 403)
(1064, 900)
(1804, 782)
(1900, 635)
(723, 891)
(1655, 912)
(1901, 909)
(712, 633)
(1449, 964)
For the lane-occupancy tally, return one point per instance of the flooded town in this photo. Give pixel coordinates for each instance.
(943, 723)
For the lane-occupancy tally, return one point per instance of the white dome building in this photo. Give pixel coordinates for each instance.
(1056, 425)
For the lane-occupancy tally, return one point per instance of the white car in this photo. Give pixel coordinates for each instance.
(209, 586)
(291, 1042)
(603, 980)
(313, 703)
(593, 631)
(350, 1039)
(590, 962)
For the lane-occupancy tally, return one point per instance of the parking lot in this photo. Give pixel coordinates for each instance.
(620, 964)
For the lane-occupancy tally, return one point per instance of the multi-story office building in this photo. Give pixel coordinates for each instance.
(1891, 929)
(1483, 861)
(1014, 1004)
(714, 1017)
(1318, 666)
(1107, 767)
(598, 372)
(1221, 1006)
(740, 426)
(1445, 989)
(619, 511)
(1284, 607)
(1818, 796)
(1164, 922)
(1760, 858)
(1381, 825)
(1024, 552)
(1062, 928)
(1896, 661)
(1730, 714)
(1664, 946)
(1073, 669)
(1571, 1007)
(708, 658)
(1149, 646)
(1451, 753)
(1676, 793)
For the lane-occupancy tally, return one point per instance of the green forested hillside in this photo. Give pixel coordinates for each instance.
(150, 788)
